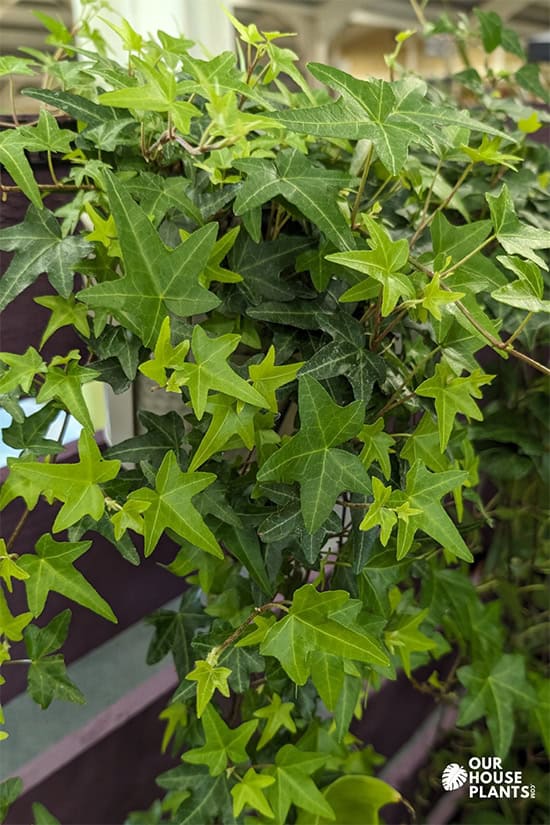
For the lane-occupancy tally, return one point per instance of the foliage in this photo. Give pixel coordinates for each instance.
(347, 297)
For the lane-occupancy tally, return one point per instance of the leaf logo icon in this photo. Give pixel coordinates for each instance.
(453, 777)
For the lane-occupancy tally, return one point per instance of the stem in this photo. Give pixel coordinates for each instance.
(52, 170)
(217, 651)
(364, 176)
(399, 317)
(52, 187)
(520, 328)
(12, 103)
(419, 12)
(467, 257)
(426, 204)
(444, 203)
(17, 529)
(17, 662)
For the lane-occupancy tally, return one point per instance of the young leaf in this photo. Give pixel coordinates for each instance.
(208, 679)
(210, 371)
(12, 626)
(453, 395)
(277, 715)
(248, 793)
(51, 569)
(517, 238)
(65, 386)
(267, 378)
(312, 458)
(294, 785)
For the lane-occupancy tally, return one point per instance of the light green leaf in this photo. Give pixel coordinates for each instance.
(248, 793)
(517, 238)
(355, 800)
(223, 744)
(208, 679)
(51, 569)
(277, 715)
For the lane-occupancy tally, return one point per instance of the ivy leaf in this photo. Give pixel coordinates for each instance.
(13, 158)
(164, 432)
(40, 247)
(10, 790)
(117, 342)
(424, 446)
(378, 446)
(222, 744)
(210, 371)
(12, 626)
(213, 270)
(403, 636)
(495, 690)
(311, 457)
(392, 115)
(165, 355)
(435, 299)
(341, 357)
(77, 485)
(169, 506)
(527, 291)
(516, 238)
(22, 369)
(453, 395)
(51, 569)
(261, 264)
(174, 631)
(312, 624)
(65, 385)
(248, 793)
(209, 795)
(157, 281)
(314, 190)
(227, 422)
(277, 715)
(46, 135)
(9, 569)
(208, 679)
(456, 243)
(47, 674)
(355, 800)
(422, 494)
(65, 312)
(294, 785)
(267, 378)
(42, 816)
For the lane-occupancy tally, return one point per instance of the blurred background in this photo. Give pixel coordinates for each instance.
(351, 34)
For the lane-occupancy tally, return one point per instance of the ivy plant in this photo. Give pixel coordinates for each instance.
(343, 288)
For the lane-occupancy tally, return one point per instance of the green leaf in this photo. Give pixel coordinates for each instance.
(10, 64)
(174, 631)
(157, 281)
(453, 395)
(402, 636)
(226, 423)
(12, 626)
(10, 790)
(65, 312)
(516, 238)
(209, 795)
(9, 569)
(243, 543)
(222, 744)
(392, 115)
(361, 367)
(13, 158)
(384, 263)
(46, 135)
(42, 816)
(208, 679)
(423, 445)
(494, 691)
(51, 569)
(314, 190)
(22, 369)
(313, 624)
(169, 506)
(267, 378)
(294, 786)
(80, 108)
(378, 446)
(261, 264)
(165, 355)
(311, 457)
(527, 291)
(423, 492)
(41, 641)
(164, 432)
(76, 485)
(210, 371)
(355, 800)
(40, 247)
(248, 793)
(491, 29)
(277, 715)
(48, 680)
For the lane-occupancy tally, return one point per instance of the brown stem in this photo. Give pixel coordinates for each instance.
(17, 529)
(217, 651)
(52, 187)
